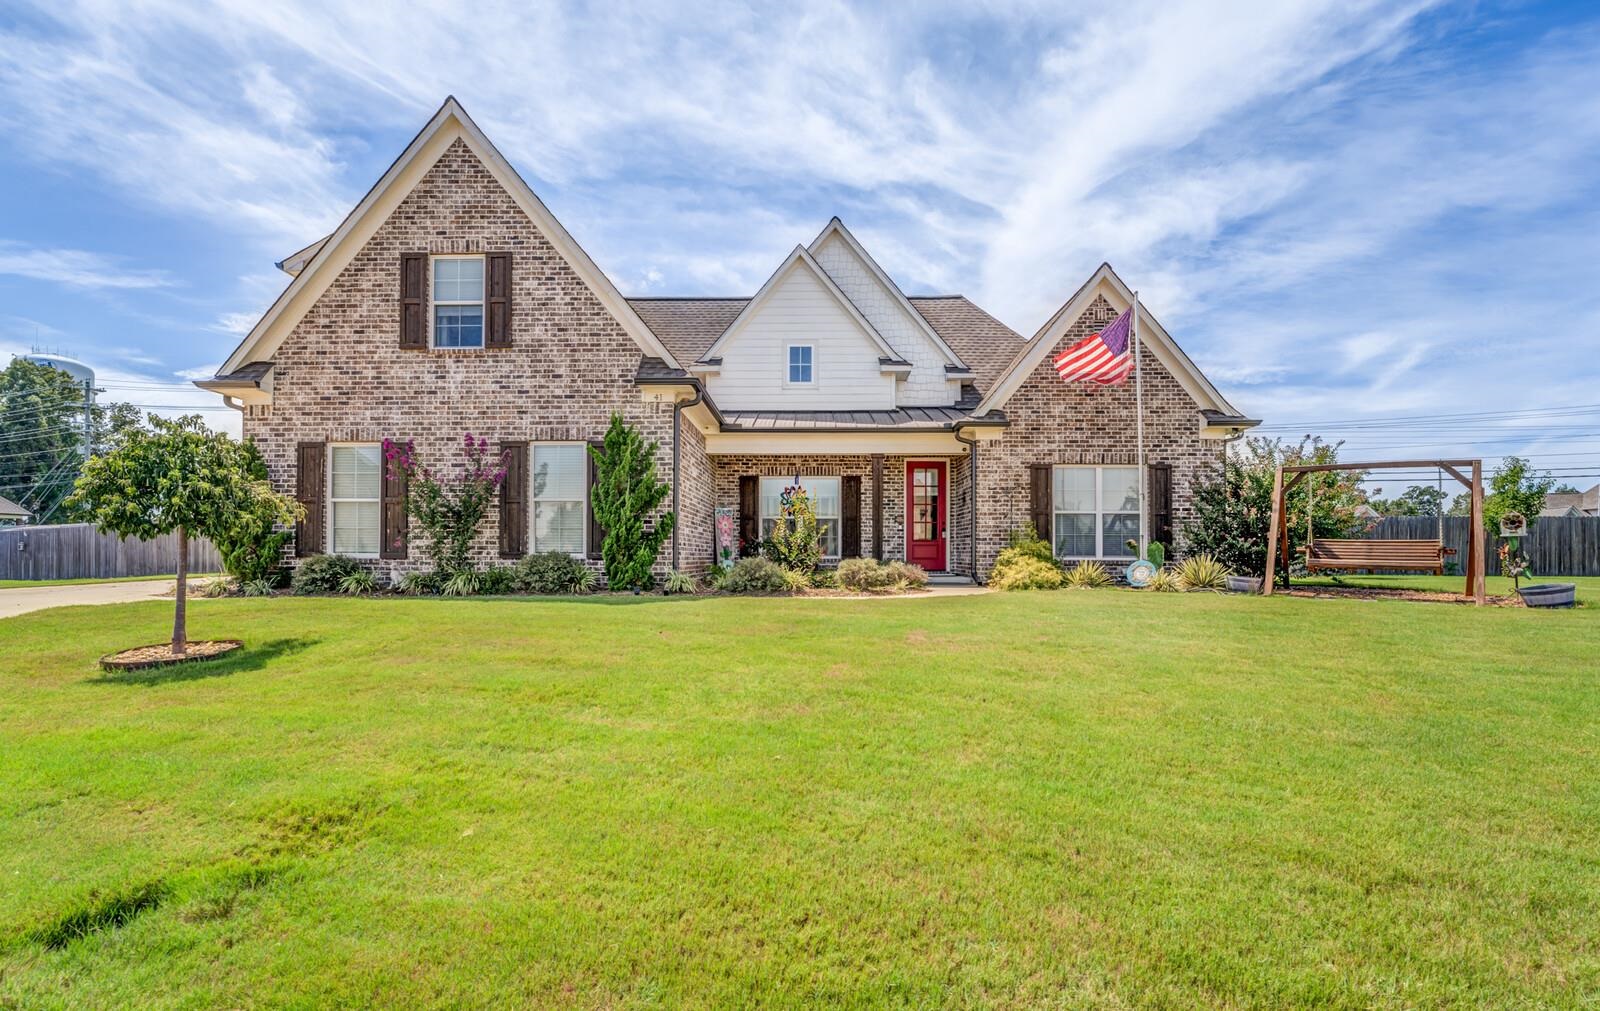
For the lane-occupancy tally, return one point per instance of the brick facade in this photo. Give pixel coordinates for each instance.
(1054, 422)
(341, 376)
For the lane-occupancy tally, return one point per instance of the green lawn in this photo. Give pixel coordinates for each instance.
(1079, 798)
(1588, 586)
(11, 584)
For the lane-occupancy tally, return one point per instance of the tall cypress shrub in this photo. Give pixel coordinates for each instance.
(626, 492)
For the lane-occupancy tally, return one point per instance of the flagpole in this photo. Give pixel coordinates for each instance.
(1138, 400)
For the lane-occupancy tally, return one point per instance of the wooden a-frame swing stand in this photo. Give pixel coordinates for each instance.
(1420, 555)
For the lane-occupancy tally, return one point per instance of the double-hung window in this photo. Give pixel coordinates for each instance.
(1096, 511)
(800, 365)
(825, 498)
(458, 301)
(355, 480)
(560, 482)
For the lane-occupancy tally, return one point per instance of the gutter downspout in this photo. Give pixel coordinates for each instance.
(677, 464)
(972, 480)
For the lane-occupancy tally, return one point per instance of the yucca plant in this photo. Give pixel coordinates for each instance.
(257, 587)
(462, 583)
(582, 580)
(1088, 575)
(679, 582)
(1202, 572)
(1165, 581)
(415, 583)
(358, 582)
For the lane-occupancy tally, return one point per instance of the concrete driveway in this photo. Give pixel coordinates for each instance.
(21, 600)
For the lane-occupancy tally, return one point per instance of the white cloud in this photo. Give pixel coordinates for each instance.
(75, 268)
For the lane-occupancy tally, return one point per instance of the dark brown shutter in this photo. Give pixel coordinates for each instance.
(749, 514)
(414, 300)
(497, 300)
(392, 513)
(597, 533)
(877, 506)
(1039, 495)
(850, 517)
(1160, 493)
(514, 500)
(310, 482)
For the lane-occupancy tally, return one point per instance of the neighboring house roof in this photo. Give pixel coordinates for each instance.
(689, 326)
(1151, 334)
(327, 259)
(1572, 503)
(9, 510)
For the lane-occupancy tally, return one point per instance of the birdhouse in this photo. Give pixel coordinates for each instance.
(1513, 525)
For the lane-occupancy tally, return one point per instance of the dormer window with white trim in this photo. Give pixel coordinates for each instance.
(801, 365)
(458, 301)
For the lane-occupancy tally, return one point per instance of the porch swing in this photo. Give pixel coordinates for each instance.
(1347, 554)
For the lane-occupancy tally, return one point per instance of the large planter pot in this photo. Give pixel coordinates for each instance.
(1244, 584)
(1549, 594)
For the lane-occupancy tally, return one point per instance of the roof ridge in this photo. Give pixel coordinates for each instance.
(689, 298)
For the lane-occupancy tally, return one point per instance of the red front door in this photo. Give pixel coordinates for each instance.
(926, 513)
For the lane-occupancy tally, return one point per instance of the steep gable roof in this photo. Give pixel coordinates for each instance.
(1104, 281)
(449, 124)
(835, 229)
(801, 259)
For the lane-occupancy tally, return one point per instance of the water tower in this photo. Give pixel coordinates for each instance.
(81, 374)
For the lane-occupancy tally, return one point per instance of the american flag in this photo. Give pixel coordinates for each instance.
(1102, 358)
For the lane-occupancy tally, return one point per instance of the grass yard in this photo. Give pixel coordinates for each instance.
(12, 584)
(1078, 798)
(1588, 586)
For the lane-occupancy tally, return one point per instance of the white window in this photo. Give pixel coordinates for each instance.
(355, 481)
(1097, 511)
(824, 494)
(800, 365)
(560, 483)
(458, 301)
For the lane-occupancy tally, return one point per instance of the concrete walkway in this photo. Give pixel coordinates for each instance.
(23, 599)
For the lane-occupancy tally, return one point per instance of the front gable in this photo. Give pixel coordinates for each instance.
(319, 265)
(936, 373)
(853, 367)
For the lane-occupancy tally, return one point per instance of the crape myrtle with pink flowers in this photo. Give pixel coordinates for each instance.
(448, 511)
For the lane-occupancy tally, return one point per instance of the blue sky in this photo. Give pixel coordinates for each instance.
(1343, 210)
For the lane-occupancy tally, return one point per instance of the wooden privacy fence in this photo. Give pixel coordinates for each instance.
(79, 551)
(1556, 546)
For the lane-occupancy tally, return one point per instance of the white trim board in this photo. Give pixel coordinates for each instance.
(449, 124)
(1152, 335)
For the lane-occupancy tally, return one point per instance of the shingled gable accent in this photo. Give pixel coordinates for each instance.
(802, 257)
(1152, 335)
(837, 227)
(449, 124)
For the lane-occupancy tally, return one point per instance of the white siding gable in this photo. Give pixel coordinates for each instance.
(797, 307)
(926, 386)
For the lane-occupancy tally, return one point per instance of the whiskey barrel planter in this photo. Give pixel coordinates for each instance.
(160, 654)
(1549, 594)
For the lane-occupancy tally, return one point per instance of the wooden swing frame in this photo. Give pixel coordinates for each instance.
(1278, 533)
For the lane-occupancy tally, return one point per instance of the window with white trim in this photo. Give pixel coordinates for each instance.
(800, 364)
(1096, 511)
(355, 483)
(825, 499)
(458, 301)
(559, 495)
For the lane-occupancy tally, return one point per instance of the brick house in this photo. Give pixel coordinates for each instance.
(451, 301)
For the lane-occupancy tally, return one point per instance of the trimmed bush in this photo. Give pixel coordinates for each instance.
(553, 572)
(1088, 575)
(1026, 541)
(323, 574)
(867, 575)
(498, 580)
(463, 583)
(755, 575)
(1025, 572)
(420, 583)
(825, 579)
(907, 576)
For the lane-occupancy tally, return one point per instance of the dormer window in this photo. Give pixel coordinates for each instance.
(458, 301)
(800, 364)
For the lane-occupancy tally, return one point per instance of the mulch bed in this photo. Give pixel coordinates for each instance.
(1385, 593)
(160, 654)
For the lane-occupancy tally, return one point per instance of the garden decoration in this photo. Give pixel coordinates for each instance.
(727, 525)
(1142, 569)
(1513, 525)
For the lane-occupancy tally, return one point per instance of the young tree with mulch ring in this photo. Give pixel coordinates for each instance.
(178, 476)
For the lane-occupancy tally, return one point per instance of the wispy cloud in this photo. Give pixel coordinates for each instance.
(75, 268)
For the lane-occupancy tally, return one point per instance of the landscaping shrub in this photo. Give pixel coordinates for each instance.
(462, 583)
(498, 579)
(448, 512)
(1026, 541)
(626, 492)
(552, 572)
(679, 582)
(1025, 572)
(420, 583)
(1088, 575)
(794, 543)
(755, 575)
(1165, 581)
(257, 588)
(356, 583)
(715, 577)
(867, 575)
(1202, 572)
(224, 587)
(323, 574)
(252, 545)
(825, 579)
